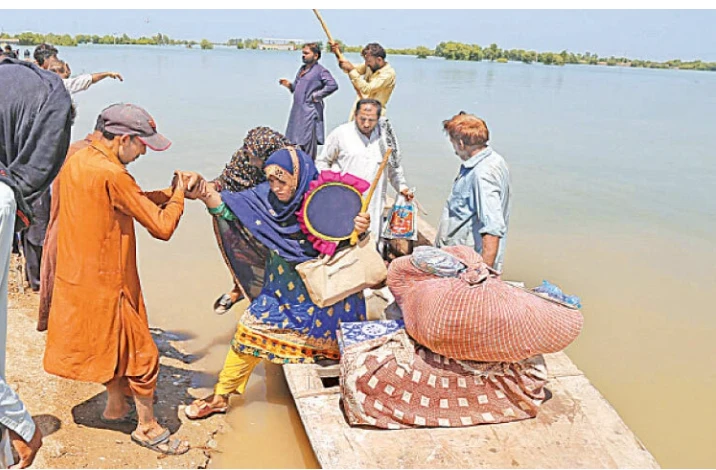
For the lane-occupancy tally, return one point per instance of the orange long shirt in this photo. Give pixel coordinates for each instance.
(49, 248)
(98, 321)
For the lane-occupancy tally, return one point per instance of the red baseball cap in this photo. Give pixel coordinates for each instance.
(130, 119)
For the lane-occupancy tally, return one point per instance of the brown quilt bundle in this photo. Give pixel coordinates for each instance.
(390, 382)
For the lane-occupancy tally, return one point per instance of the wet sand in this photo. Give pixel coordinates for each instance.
(67, 412)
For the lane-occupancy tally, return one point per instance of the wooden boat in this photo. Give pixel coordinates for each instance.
(575, 428)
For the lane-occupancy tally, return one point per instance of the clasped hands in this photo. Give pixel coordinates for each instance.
(196, 187)
(192, 183)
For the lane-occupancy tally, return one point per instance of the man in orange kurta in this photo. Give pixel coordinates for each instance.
(98, 329)
(49, 247)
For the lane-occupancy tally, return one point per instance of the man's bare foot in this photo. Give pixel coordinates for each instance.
(117, 410)
(26, 450)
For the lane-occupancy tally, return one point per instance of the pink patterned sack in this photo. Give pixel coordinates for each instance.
(476, 316)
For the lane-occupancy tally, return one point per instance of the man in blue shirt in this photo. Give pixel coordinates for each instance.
(477, 212)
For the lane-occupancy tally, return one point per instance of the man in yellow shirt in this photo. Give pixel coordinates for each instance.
(374, 79)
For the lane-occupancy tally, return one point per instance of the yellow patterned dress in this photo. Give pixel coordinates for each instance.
(284, 326)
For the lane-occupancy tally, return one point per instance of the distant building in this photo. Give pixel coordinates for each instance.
(280, 44)
(10, 41)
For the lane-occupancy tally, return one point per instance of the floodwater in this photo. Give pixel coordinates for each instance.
(614, 184)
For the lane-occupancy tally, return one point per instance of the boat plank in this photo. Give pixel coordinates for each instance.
(576, 428)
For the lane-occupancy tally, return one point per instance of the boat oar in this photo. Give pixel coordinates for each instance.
(366, 200)
(339, 54)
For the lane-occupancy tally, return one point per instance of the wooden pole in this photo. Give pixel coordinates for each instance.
(367, 199)
(339, 54)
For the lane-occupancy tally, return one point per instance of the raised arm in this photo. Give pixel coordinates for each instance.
(102, 75)
(365, 88)
(128, 197)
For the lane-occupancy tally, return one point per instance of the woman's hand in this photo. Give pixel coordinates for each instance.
(210, 196)
(197, 191)
(361, 222)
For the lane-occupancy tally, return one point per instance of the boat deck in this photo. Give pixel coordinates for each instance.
(576, 428)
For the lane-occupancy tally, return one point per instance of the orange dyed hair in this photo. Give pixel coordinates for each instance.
(469, 129)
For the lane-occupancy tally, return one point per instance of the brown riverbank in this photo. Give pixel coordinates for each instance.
(68, 411)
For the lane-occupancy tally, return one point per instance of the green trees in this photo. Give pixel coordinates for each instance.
(32, 39)
(458, 51)
(239, 43)
(340, 43)
(450, 50)
(423, 52)
(492, 53)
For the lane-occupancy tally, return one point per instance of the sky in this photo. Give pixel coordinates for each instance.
(639, 34)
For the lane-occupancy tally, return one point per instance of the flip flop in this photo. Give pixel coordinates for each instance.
(172, 445)
(129, 418)
(224, 303)
(204, 411)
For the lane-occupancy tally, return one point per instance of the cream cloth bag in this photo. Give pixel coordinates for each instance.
(332, 279)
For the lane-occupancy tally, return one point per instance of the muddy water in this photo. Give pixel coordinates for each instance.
(614, 186)
(181, 280)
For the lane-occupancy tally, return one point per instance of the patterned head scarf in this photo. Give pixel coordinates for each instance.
(291, 178)
(239, 174)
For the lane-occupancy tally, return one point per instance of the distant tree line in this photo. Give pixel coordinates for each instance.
(244, 43)
(450, 50)
(33, 39)
(459, 51)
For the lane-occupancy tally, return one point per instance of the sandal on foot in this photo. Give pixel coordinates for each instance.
(162, 444)
(224, 303)
(204, 410)
(129, 418)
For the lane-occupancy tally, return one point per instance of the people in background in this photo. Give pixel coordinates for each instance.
(313, 83)
(374, 79)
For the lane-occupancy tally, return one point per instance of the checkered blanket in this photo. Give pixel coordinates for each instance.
(390, 382)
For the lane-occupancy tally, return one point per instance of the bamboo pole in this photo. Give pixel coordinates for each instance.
(339, 54)
(367, 199)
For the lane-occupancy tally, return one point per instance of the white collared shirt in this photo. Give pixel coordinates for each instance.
(348, 150)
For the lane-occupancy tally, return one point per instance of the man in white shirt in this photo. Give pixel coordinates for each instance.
(80, 82)
(357, 147)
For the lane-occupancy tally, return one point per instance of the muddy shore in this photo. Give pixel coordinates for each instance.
(68, 411)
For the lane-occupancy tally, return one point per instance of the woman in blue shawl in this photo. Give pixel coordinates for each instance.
(281, 324)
